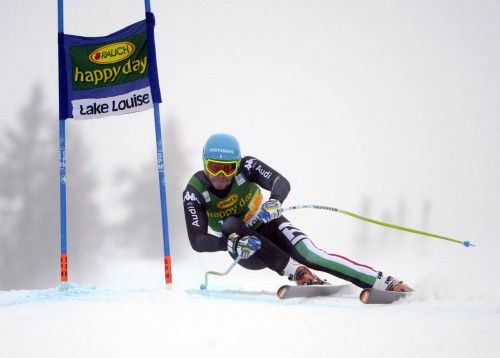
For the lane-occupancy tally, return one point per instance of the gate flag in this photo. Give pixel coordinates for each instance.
(106, 76)
(109, 75)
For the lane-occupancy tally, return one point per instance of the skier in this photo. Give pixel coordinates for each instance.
(225, 209)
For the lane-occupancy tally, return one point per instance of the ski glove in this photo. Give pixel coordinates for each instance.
(244, 246)
(270, 210)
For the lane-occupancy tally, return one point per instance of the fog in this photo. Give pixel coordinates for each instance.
(389, 110)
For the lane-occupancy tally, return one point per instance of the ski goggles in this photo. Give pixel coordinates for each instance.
(215, 167)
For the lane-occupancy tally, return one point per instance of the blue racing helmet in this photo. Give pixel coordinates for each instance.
(221, 154)
(222, 147)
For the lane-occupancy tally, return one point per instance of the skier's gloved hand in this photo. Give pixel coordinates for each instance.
(243, 246)
(270, 210)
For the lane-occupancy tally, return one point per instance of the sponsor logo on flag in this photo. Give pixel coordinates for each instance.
(109, 75)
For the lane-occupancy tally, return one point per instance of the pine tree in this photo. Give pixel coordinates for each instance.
(29, 199)
(142, 230)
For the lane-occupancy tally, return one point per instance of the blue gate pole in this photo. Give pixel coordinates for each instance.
(62, 162)
(163, 196)
(161, 177)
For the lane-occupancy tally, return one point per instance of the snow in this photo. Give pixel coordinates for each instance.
(239, 315)
(398, 101)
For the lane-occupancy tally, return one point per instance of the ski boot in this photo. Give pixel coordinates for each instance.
(398, 286)
(390, 283)
(304, 276)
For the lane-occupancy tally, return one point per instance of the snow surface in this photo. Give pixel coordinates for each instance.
(407, 95)
(239, 315)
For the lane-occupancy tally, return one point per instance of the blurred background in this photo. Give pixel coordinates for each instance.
(389, 110)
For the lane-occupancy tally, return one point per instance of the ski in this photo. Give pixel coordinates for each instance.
(289, 291)
(371, 296)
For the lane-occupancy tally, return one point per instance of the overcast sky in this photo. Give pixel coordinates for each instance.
(385, 106)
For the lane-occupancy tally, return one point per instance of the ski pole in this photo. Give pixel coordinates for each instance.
(393, 226)
(203, 286)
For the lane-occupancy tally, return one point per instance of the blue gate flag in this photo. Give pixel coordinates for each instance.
(108, 75)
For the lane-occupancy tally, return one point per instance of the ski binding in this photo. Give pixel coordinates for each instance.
(372, 296)
(306, 291)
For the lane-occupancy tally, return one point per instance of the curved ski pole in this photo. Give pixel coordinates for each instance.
(203, 286)
(392, 226)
